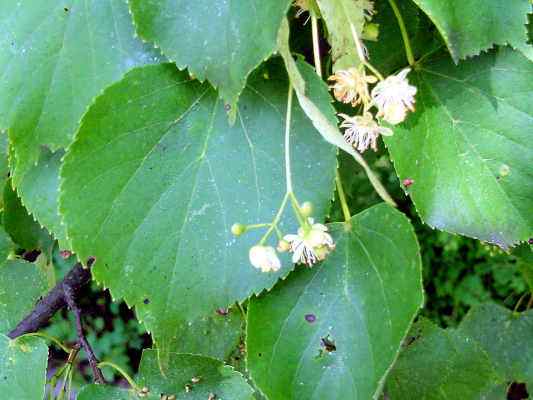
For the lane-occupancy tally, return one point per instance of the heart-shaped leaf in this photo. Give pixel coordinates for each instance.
(467, 148)
(333, 331)
(157, 177)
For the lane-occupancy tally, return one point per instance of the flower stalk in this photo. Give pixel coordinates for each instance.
(403, 30)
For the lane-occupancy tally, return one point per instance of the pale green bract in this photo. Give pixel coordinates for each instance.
(338, 15)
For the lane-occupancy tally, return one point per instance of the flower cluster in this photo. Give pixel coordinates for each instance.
(393, 97)
(311, 244)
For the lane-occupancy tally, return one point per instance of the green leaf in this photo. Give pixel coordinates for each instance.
(469, 27)
(214, 377)
(440, 364)
(23, 368)
(215, 335)
(39, 190)
(20, 225)
(218, 40)
(105, 392)
(338, 16)
(468, 147)
(211, 377)
(71, 50)
(362, 299)
(315, 100)
(170, 178)
(21, 285)
(506, 337)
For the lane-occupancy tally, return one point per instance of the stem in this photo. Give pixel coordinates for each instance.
(519, 302)
(342, 197)
(361, 54)
(121, 372)
(66, 369)
(316, 47)
(239, 306)
(52, 302)
(287, 141)
(405, 37)
(254, 226)
(93, 361)
(276, 219)
(48, 337)
(296, 207)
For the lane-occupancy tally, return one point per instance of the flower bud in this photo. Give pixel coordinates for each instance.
(306, 209)
(283, 246)
(238, 229)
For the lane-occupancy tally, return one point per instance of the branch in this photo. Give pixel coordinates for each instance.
(52, 302)
(93, 361)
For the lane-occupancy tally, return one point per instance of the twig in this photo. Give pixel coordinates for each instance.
(70, 298)
(52, 302)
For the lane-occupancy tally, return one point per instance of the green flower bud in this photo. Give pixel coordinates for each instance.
(238, 229)
(283, 246)
(306, 209)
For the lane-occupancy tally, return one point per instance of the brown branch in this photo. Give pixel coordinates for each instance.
(63, 294)
(70, 298)
(54, 301)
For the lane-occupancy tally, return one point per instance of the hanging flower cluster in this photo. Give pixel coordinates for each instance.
(393, 97)
(311, 244)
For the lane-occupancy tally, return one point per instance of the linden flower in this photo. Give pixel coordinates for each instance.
(264, 258)
(351, 86)
(362, 131)
(312, 246)
(393, 97)
(368, 8)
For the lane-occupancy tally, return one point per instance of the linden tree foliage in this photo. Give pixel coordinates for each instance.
(472, 168)
(492, 346)
(222, 41)
(165, 187)
(23, 367)
(186, 152)
(71, 50)
(321, 325)
(469, 27)
(193, 377)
